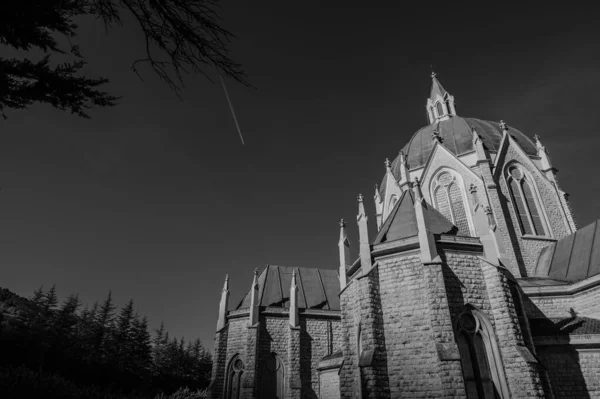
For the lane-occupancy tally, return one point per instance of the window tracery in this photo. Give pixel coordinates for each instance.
(449, 200)
(526, 205)
(440, 109)
(234, 378)
(479, 356)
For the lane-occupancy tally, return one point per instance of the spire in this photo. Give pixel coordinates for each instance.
(344, 246)
(426, 238)
(253, 320)
(223, 305)
(440, 104)
(363, 233)
(478, 145)
(436, 87)
(404, 174)
(543, 154)
(378, 206)
(294, 319)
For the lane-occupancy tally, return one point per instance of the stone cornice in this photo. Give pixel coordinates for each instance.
(562, 290)
(283, 312)
(574, 340)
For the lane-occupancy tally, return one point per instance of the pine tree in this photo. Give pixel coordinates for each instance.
(142, 348)
(123, 340)
(103, 326)
(50, 299)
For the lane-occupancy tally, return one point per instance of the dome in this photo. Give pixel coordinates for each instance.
(457, 137)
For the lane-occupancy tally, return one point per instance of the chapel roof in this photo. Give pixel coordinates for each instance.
(402, 221)
(572, 258)
(317, 288)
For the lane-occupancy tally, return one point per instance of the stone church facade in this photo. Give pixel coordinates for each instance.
(478, 284)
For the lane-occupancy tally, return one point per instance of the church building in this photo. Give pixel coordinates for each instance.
(478, 284)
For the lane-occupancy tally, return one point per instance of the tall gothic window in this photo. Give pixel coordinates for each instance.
(234, 379)
(448, 106)
(525, 202)
(450, 202)
(272, 378)
(479, 357)
(440, 109)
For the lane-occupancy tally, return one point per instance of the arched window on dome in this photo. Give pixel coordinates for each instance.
(482, 368)
(440, 109)
(449, 200)
(233, 386)
(525, 200)
(272, 378)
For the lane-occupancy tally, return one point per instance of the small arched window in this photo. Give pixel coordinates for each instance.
(524, 198)
(448, 106)
(479, 356)
(393, 201)
(234, 378)
(272, 378)
(440, 109)
(450, 202)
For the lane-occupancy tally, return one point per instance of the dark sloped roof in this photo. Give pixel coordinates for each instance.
(572, 258)
(457, 138)
(564, 326)
(317, 288)
(402, 222)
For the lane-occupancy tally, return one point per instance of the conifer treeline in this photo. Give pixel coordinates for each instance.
(99, 346)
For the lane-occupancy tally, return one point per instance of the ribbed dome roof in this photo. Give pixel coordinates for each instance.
(457, 137)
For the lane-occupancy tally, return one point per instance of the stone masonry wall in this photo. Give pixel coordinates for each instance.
(329, 386)
(350, 384)
(525, 376)
(584, 303)
(574, 373)
(413, 366)
(317, 340)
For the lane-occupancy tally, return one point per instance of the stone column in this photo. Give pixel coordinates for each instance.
(217, 382)
(524, 375)
(249, 388)
(451, 378)
(292, 376)
(373, 359)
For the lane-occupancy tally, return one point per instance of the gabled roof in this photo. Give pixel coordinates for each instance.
(402, 221)
(572, 258)
(317, 288)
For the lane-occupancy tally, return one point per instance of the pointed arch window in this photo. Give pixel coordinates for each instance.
(449, 200)
(525, 201)
(272, 378)
(480, 357)
(448, 106)
(440, 109)
(234, 378)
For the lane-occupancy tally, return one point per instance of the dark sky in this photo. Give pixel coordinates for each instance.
(157, 200)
